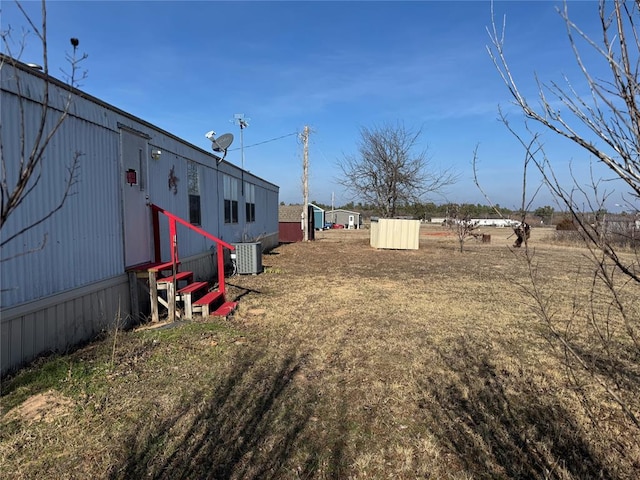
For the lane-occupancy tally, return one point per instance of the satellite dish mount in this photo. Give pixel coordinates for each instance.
(220, 144)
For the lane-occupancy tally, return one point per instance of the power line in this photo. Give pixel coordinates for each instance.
(266, 141)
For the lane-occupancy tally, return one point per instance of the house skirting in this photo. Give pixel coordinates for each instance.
(269, 242)
(58, 322)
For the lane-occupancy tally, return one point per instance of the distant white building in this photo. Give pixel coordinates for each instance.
(496, 222)
(483, 222)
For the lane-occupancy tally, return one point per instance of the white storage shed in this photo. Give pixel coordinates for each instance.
(395, 233)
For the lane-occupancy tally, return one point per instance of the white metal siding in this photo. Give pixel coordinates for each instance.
(83, 243)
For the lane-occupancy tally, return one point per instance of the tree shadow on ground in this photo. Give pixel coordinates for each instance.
(241, 291)
(501, 424)
(244, 425)
(617, 364)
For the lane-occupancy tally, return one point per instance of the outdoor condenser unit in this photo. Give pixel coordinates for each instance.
(249, 258)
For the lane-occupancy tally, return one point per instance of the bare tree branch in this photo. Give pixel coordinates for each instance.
(21, 176)
(605, 124)
(26, 252)
(71, 181)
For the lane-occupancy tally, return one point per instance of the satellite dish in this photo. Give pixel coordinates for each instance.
(221, 143)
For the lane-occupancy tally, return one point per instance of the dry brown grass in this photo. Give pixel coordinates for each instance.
(342, 361)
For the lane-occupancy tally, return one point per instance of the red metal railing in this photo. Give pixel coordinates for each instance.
(173, 221)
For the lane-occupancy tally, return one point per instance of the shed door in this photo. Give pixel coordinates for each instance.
(311, 220)
(136, 212)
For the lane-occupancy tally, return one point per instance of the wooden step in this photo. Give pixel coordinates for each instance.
(203, 305)
(188, 276)
(192, 287)
(227, 308)
(185, 295)
(142, 270)
(159, 267)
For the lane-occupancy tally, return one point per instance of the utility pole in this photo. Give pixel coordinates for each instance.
(333, 195)
(243, 123)
(305, 182)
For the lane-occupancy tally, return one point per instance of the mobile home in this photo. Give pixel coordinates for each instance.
(347, 218)
(65, 278)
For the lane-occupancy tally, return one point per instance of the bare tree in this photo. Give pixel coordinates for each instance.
(22, 172)
(389, 170)
(606, 125)
(462, 225)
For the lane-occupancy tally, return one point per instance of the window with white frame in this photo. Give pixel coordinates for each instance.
(230, 199)
(250, 202)
(194, 193)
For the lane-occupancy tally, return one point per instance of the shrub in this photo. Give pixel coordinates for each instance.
(566, 224)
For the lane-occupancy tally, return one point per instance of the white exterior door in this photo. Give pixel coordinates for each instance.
(136, 212)
(352, 221)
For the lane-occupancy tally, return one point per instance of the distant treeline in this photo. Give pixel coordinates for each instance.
(429, 210)
(426, 211)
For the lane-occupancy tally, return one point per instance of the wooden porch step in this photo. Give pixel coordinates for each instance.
(159, 267)
(142, 270)
(193, 287)
(227, 308)
(185, 295)
(203, 305)
(188, 276)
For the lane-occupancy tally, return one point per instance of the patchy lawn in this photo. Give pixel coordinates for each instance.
(341, 361)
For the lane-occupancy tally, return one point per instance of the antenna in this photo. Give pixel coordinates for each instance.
(238, 119)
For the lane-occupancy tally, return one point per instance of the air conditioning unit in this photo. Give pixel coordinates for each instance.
(248, 258)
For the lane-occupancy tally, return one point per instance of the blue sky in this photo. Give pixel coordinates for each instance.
(188, 67)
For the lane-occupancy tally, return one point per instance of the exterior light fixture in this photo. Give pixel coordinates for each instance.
(156, 153)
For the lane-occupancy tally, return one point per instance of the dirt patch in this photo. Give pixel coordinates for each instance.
(45, 407)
